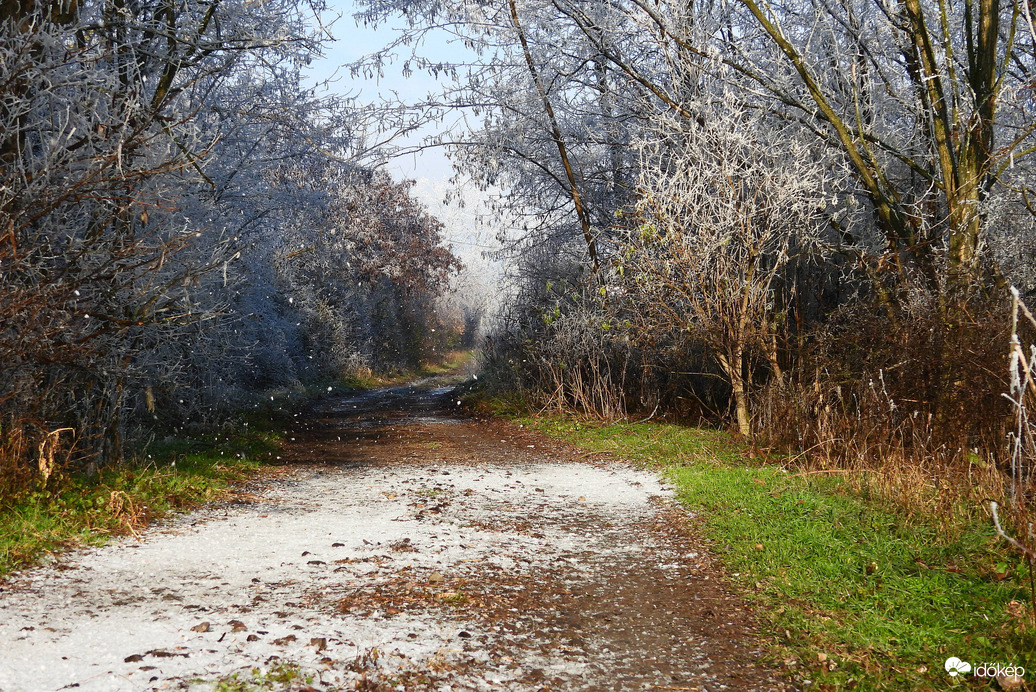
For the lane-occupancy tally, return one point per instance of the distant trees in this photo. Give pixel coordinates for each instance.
(825, 196)
(179, 222)
(370, 272)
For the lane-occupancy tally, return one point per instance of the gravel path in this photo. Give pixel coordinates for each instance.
(399, 549)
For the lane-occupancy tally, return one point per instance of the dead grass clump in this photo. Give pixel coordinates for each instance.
(31, 454)
(129, 514)
(15, 472)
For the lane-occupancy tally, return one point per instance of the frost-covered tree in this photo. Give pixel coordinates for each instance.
(169, 193)
(929, 103)
(551, 126)
(101, 168)
(727, 203)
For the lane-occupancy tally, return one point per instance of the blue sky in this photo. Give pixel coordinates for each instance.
(352, 43)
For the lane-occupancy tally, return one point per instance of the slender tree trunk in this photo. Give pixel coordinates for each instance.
(559, 141)
(732, 365)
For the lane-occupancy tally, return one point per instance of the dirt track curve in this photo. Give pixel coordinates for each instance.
(400, 547)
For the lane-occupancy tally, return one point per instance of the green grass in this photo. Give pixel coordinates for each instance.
(885, 596)
(278, 677)
(165, 478)
(451, 362)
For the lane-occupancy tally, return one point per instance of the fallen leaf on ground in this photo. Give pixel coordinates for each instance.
(1010, 682)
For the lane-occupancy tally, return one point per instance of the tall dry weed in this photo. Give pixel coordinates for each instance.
(30, 455)
(1018, 524)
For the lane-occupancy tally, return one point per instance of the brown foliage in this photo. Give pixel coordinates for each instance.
(922, 390)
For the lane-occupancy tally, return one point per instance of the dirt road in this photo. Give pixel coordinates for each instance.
(400, 547)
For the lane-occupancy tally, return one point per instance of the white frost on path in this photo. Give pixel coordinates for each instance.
(121, 617)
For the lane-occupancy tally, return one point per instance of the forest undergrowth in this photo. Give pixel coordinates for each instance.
(856, 513)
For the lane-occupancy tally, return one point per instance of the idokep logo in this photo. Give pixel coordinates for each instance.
(1010, 675)
(999, 670)
(954, 666)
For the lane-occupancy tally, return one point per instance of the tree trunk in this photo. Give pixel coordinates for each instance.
(559, 141)
(732, 365)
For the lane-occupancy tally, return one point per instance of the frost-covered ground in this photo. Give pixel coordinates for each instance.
(451, 572)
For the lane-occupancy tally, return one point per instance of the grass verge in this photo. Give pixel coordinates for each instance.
(450, 363)
(852, 592)
(173, 476)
